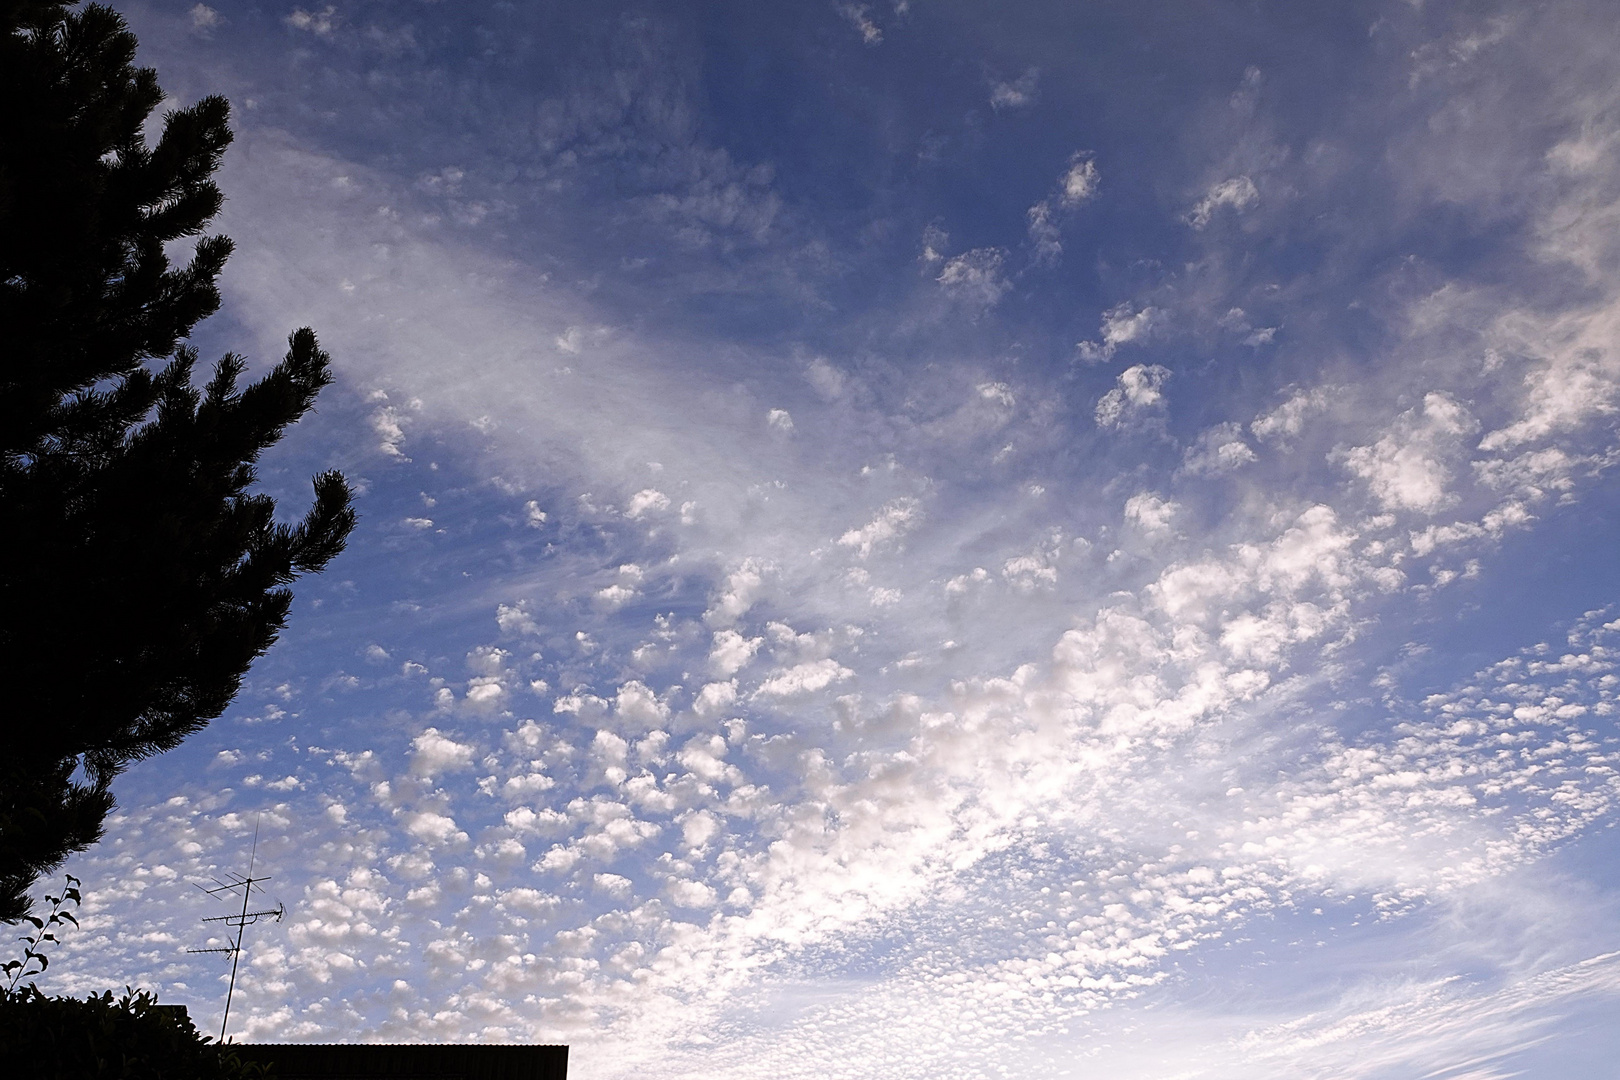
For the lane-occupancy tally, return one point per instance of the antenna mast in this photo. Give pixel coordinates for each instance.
(240, 921)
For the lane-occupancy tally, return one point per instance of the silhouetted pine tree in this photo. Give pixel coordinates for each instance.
(139, 577)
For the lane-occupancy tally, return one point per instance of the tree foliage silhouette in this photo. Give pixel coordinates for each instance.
(139, 575)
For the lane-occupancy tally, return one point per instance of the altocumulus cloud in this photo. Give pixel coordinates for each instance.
(809, 654)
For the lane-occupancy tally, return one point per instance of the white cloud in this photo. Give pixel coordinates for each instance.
(699, 828)
(804, 678)
(484, 691)
(388, 423)
(434, 752)
(636, 707)
(705, 757)
(1080, 182)
(205, 18)
(691, 894)
(1237, 321)
(1024, 572)
(1019, 93)
(1044, 232)
(433, 828)
(616, 595)
(715, 698)
(1220, 449)
(1288, 419)
(859, 16)
(1150, 513)
(1410, 467)
(827, 379)
(1238, 193)
(1122, 325)
(1078, 185)
(488, 660)
(320, 23)
(576, 338)
(646, 501)
(962, 582)
(742, 586)
(732, 652)
(892, 522)
(516, 619)
(1139, 390)
(1574, 376)
(974, 278)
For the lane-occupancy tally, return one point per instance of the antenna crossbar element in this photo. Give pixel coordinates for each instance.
(248, 918)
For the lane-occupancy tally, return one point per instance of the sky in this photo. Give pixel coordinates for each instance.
(919, 539)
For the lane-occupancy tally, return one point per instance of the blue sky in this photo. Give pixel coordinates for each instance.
(921, 539)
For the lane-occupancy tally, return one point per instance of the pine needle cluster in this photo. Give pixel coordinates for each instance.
(140, 573)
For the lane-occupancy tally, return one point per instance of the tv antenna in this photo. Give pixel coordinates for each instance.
(239, 921)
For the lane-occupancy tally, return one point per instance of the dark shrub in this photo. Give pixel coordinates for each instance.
(107, 1038)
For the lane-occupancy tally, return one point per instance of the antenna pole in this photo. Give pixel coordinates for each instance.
(241, 928)
(240, 921)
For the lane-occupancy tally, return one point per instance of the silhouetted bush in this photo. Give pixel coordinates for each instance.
(105, 1038)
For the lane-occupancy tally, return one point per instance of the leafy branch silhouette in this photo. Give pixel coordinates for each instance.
(44, 931)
